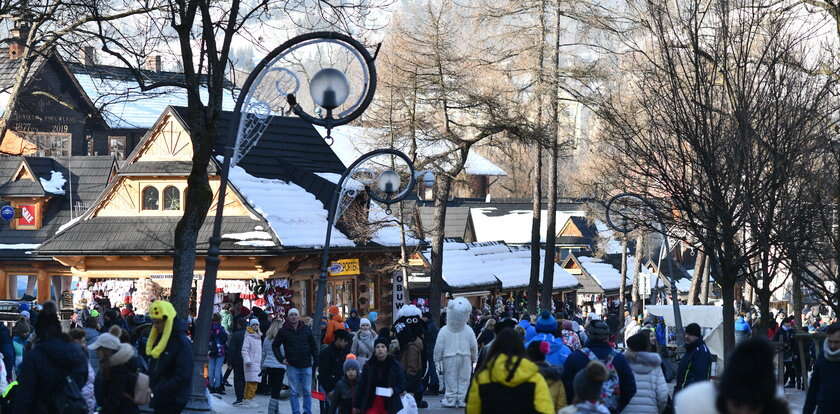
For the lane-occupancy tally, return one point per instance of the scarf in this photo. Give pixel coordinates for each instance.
(831, 356)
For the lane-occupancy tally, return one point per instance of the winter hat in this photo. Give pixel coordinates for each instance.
(381, 340)
(293, 311)
(567, 325)
(333, 310)
(351, 364)
(350, 356)
(598, 331)
(106, 341)
(694, 330)
(536, 351)
(546, 323)
(589, 381)
(94, 313)
(545, 347)
(25, 314)
(372, 316)
(254, 322)
(364, 321)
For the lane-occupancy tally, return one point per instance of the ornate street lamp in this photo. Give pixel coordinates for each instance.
(270, 91)
(387, 175)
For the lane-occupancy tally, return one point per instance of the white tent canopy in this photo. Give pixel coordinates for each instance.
(710, 319)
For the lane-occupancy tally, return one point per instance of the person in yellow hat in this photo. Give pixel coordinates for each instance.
(172, 360)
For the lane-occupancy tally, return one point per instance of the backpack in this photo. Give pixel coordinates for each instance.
(68, 398)
(142, 390)
(610, 390)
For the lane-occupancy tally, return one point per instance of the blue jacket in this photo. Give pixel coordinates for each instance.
(823, 387)
(741, 325)
(578, 361)
(558, 352)
(42, 372)
(171, 374)
(530, 331)
(661, 335)
(695, 366)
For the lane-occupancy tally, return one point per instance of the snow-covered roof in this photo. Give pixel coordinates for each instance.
(607, 276)
(513, 227)
(126, 106)
(20, 246)
(298, 219)
(350, 142)
(475, 264)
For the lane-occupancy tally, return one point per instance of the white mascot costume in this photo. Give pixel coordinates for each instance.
(455, 353)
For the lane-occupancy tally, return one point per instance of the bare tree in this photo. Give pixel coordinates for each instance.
(696, 127)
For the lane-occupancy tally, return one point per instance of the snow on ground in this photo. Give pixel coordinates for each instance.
(605, 274)
(55, 184)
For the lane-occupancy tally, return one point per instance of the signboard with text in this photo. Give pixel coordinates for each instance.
(344, 267)
(27, 215)
(400, 293)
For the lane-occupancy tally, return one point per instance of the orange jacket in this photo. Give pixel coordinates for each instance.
(335, 323)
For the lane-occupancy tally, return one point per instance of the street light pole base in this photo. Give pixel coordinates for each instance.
(199, 402)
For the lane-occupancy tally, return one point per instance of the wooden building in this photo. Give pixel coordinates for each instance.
(273, 228)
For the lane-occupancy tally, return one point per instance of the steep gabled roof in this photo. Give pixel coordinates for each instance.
(18, 178)
(86, 177)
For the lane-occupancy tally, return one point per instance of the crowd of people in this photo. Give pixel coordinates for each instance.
(114, 361)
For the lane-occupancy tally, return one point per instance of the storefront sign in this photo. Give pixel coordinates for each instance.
(400, 293)
(344, 267)
(7, 213)
(27, 215)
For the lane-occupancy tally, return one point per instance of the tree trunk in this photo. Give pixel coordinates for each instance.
(796, 293)
(551, 227)
(198, 200)
(635, 295)
(444, 184)
(727, 286)
(696, 278)
(764, 307)
(706, 284)
(536, 206)
(536, 239)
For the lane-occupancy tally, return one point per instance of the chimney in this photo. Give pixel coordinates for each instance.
(19, 34)
(88, 57)
(152, 63)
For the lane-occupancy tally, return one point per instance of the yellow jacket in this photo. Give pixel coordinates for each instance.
(526, 385)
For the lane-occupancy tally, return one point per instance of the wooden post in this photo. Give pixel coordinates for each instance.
(43, 286)
(4, 285)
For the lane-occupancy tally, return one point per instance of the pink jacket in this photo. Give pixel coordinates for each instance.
(252, 355)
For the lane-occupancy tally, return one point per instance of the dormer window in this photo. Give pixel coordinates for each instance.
(151, 198)
(171, 198)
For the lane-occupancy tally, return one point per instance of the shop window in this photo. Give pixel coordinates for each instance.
(171, 198)
(23, 285)
(116, 147)
(150, 198)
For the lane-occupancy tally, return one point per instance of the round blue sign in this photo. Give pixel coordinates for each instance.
(7, 212)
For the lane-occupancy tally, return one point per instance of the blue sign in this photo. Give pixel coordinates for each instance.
(7, 213)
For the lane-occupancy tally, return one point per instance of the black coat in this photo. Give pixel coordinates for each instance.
(171, 374)
(298, 343)
(695, 365)
(234, 352)
(366, 391)
(341, 398)
(115, 395)
(429, 339)
(331, 366)
(824, 387)
(42, 373)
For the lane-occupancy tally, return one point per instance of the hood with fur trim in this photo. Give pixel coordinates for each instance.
(643, 362)
(123, 355)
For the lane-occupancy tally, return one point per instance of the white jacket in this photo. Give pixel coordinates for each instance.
(651, 388)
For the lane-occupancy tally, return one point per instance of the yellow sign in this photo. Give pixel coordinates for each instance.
(344, 267)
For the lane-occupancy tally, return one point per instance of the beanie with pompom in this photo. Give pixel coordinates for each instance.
(588, 381)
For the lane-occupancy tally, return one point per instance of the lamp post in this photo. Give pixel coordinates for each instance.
(384, 187)
(632, 211)
(268, 89)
